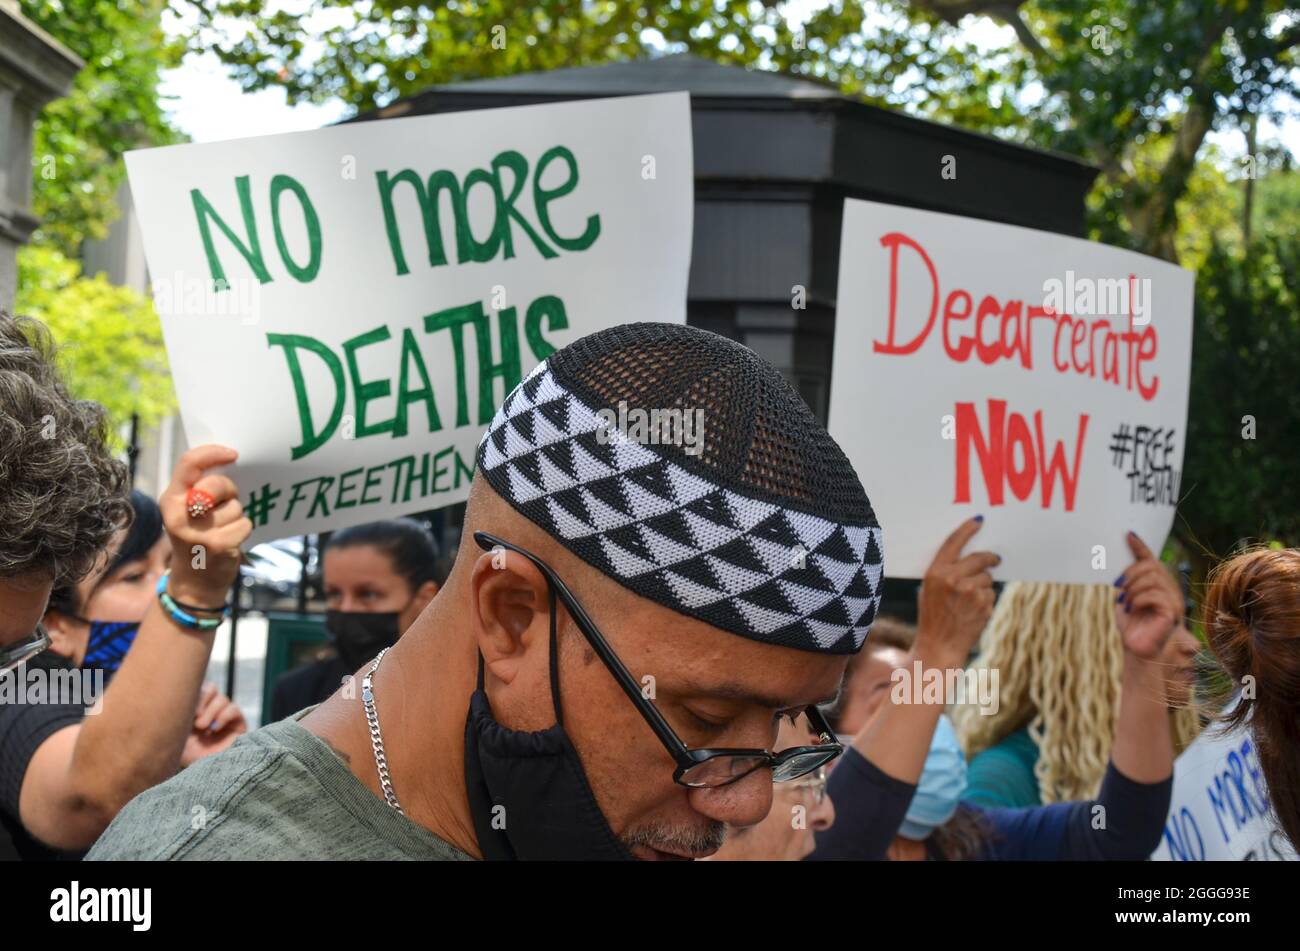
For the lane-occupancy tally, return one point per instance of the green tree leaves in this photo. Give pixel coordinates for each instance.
(113, 107)
(110, 342)
(1245, 361)
(112, 349)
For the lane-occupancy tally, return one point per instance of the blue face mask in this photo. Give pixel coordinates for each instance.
(109, 641)
(942, 782)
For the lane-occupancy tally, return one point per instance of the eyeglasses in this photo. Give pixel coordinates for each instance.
(24, 650)
(814, 783)
(706, 768)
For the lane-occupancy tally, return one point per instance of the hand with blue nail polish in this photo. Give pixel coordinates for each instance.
(218, 722)
(1150, 603)
(956, 598)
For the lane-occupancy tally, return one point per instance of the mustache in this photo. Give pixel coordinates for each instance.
(676, 839)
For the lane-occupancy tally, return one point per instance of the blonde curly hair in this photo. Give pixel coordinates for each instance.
(1060, 660)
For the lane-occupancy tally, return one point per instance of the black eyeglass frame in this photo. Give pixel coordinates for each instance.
(24, 650)
(827, 749)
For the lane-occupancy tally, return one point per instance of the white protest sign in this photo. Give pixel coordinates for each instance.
(1220, 807)
(347, 307)
(1038, 380)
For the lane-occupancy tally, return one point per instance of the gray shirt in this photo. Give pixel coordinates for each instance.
(278, 793)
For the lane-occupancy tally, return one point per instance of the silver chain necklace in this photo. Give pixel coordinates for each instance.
(376, 738)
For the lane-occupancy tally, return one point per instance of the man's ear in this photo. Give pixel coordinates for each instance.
(68, 636)
(511, 612)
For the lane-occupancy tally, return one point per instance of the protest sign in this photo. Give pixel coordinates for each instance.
(347, 307)
(1038, 380)
(1220, 806)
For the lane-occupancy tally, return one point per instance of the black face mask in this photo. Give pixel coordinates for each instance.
(527, 790)
(359, 636)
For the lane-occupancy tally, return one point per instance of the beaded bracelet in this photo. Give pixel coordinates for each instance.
(179, 615)
(192, 609)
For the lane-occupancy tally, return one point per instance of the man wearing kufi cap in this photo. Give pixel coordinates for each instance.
(630, 615)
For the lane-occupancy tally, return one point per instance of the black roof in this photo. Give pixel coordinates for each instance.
(681, 71)
(710, 84)
(775, 156)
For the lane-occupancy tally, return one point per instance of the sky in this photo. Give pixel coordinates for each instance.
(209, 106)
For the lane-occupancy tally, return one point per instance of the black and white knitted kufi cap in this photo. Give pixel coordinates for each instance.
(762, 529)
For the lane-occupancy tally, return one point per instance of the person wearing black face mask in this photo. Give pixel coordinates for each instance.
(378, 577)
(603, 674)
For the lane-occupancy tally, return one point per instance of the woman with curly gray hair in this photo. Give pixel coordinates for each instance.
(62, 494)
(69, 759)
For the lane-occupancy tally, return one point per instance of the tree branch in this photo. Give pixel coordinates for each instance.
(1154, 219)
(1008, 11)
(1026, 36)
(1287, 38)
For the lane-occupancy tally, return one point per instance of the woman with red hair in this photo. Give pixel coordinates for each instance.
(1252, 622)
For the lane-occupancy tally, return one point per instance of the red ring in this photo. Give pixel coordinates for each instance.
(199, 503)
